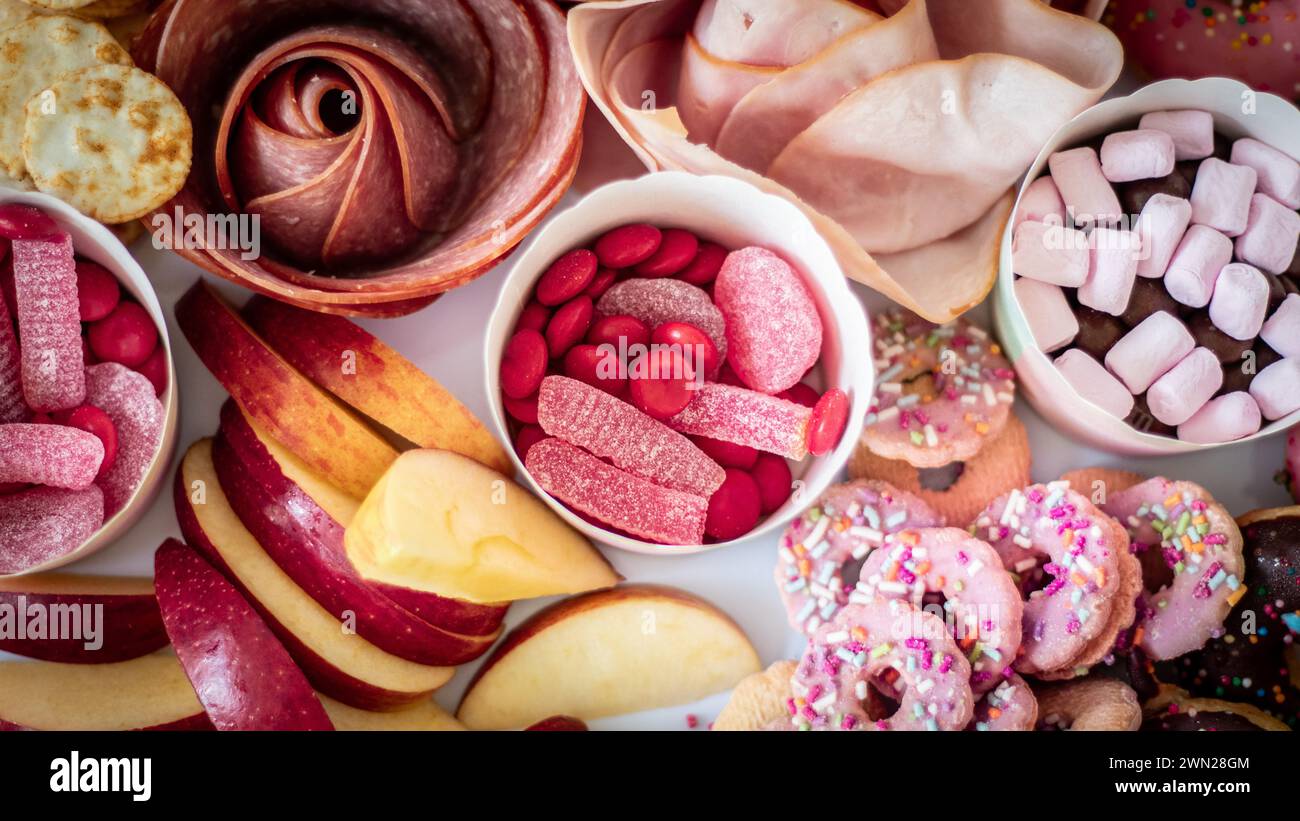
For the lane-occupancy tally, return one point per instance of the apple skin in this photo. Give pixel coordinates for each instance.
(132, 626)
(307, 544)
(559, 724)
(464, 617)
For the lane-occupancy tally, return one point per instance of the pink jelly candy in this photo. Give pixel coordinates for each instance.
(53, 455)
(774, 333)
(656, 301)
(49, 324)
(129, 400)
(13, 408)
(618, 498)
(745, 417)
(614, 430)
(44, 523)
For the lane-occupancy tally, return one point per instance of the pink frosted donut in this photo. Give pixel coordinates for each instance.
(887, 646)
(1008, 707)
(1190, 550)
(820, 553)
(960, 579)
(1293, 463)
(1065, 555)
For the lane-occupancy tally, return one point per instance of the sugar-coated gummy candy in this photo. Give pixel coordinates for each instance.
(44, 523)
(656, 301)
(13, 408)
(746, 417)
(129, 400)
(49, 324)
(52, 455)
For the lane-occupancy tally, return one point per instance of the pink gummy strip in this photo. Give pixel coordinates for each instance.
(128, 399)
(13, 408)
(45, 523)
(744, 417)
(49, 324)
(53, 455)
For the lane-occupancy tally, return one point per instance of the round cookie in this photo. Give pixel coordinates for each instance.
(1008, 707)
(759, 700)
(1175, 711)
(1088, 704)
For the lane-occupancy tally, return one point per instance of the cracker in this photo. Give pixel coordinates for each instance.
(61, 5)
(112, 141)
(13, 12)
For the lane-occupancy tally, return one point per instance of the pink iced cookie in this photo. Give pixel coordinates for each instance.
(1240, 301)
(129, 400)
(1050, 253)
(1087, 194)
(744, 417)
(979, 597)
(616, 497)
(774, 333)
(1196, 264)
(1221, 195)
(1041, 202)
(1190, 549)
(1192, 131)
(942, 391)
(1186, 387)
(1161, 225)
(1147, 352)
(1140, 154)
(1008, 707)
(1271, 236)
(49, 324)
(612, 429)
(1094, 383)
(821, 551)
(866, 645)
(656, 301)
(1225, 418)
(1282, 330)
(1047, 310)
(1278, 175)
(44, 523)
(1112, 269)
(1277, 388)
(13, 407)
(51, 455)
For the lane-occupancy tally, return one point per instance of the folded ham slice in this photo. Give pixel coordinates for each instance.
(391, 149)
(898, 126)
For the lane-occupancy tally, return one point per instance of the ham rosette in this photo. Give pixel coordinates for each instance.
(390, 149)
(898, 126)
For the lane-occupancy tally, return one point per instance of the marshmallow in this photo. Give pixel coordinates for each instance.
(1050, 253)
(1192, 131)
(1041, 202)
(1196, 265)
(1277, 388)
(1087, 195)
(1094, 383)
(1279, 175)
(1221, 195)
(1161, 226)
(1240, 301)
(1137, 155)
(1147, 352)
(1282, 330)
(1225, 418)
(1271, 236)
(1113, 261)
(1048, 313)
(1179, 394)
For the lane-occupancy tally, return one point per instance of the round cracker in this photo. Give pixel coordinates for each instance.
(35, 53)
(112, 141)
(61, 5)
(13, 12)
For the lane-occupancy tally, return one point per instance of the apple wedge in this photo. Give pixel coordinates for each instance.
(633, 648)
(305, 419)
(338, 662)
(122, 613)
(377, 381)
(423, 716)
(442, 523)
(147, 693)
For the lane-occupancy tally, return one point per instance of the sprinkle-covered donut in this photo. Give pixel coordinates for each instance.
(1176, 711)
(941, 393)
(960, 579)
(1068, 560)
(888, 645)
(1008, 707)
(1088, 704)
(821, 551)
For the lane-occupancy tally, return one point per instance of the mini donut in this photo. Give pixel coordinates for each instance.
(958, 490)
(1008, 707)
(1176, 711)
(942, 391)
(1088, 704)
(891, 647)
(1292, 476)
(949, 571)
(819, 555)
(760, 700)
(1051, 533)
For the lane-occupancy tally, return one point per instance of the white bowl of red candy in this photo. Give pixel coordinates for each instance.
(679, 363)
(87, 403)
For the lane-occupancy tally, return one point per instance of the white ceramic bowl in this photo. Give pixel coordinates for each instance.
(734, 214)
(97, 243)
(1238, 112)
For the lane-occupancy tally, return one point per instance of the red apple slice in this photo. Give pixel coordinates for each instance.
(422, 716)
(129, 625)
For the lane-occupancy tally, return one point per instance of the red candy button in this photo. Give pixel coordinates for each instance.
(93, 420)
(627, 245)
(97, 291)
(126, 336)
(569, 325)
(705, 267)
(725, 453)
(584, 363)
(567, 277)
(775, 483)
(661, 382)
(734, 507)
(528, 436)
(523, 364)
(28, 222)
(609, 329)
(675, 252)
(522, 410)
(155, 369)
(534, 317)
(695, 343)
(801, 394)
(826, 425)
(602, 282)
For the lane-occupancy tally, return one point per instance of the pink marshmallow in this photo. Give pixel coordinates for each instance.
(1050, 253)
(1225, 418)
(1240, 301)
(1088, 196)
(1279, 174)
(1094, 383)
(1282, 330)
(1277, 388)
(1271, 235)
(1113, 268)
(1147, 352)
(1161, 226)
(1137, 155)
(1196, 265)
(1192, 131)
(1221, 195)
(1179, 394)
(1041, 202)
(1048, 313)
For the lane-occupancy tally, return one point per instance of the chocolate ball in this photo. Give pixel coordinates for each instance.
(1149, 297)
(1227, 349)
(1133, 196)
(1098, 331)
